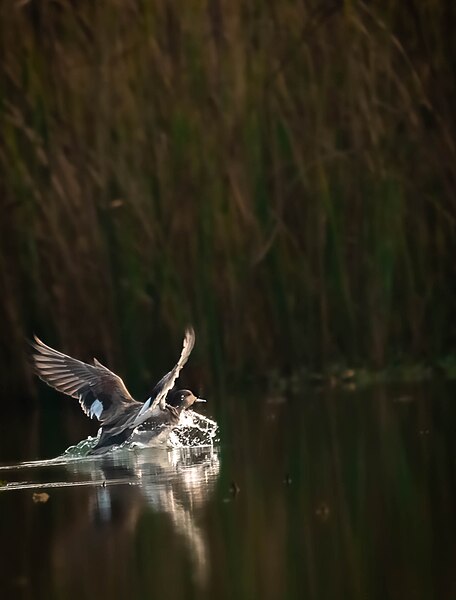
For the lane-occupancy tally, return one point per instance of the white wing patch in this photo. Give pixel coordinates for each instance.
(96, 409)
(144, 407)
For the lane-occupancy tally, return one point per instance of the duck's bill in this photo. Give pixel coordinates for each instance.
(200, 400)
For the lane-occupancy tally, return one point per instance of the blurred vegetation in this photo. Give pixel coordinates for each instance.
(280, 174)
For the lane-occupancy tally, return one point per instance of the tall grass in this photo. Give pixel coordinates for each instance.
(281, 174)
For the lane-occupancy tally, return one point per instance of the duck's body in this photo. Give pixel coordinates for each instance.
(155, 428)
(102, 394)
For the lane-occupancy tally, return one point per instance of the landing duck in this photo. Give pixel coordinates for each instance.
(103, 395)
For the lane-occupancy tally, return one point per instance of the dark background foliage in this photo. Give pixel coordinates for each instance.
(280, 174)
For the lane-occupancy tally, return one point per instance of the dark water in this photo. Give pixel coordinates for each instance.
(340, 494)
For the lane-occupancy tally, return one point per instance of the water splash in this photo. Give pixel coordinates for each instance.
(193, 431)
(80, 449)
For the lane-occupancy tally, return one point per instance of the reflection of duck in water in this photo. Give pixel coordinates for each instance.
(102, 394)
(173, 484)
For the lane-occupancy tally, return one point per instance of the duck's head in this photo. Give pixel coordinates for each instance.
(182, 399)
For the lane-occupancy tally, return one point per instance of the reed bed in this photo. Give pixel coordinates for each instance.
(280, 174)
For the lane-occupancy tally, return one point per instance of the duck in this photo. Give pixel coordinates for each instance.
(103, 395)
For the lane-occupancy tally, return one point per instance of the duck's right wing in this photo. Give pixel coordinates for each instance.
(101, 393)
(167, 382)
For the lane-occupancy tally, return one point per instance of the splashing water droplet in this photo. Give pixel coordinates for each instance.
(194, 430)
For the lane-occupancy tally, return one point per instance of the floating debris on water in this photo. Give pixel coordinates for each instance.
(40, 497)
(234, 488)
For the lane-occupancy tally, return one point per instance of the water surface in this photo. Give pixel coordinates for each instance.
(331, 494)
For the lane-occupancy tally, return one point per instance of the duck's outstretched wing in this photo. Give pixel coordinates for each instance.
(167, 382)
(101, 393)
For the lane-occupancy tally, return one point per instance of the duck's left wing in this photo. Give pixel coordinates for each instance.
(166, 383)
(101, 393)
